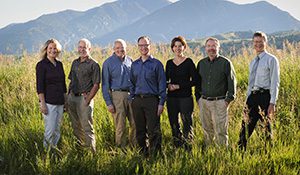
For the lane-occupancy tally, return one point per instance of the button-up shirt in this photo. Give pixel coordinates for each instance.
(115, 75)
(217, 78)
(84, 75)
(50, 80)
(148, 78)
(267, 75)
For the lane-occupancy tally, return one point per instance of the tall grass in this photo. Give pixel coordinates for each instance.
(21, 127)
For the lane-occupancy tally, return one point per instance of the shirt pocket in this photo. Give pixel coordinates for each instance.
(150, 74)
(263, 73)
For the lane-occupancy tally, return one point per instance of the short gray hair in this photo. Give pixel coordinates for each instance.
(120, 41)
(86, 41)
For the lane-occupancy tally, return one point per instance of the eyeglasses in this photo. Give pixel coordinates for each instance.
(143, 45)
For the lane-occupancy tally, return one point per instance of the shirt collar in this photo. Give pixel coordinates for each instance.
(48, 61)
(118, 58)
(261, 55)
(150, 58)
(216, 58)
(87, 60)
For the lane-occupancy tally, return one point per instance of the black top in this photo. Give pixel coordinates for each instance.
(50, 80)
(185, 75)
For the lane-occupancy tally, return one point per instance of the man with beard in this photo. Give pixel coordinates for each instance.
(262, 90)
(214, 91)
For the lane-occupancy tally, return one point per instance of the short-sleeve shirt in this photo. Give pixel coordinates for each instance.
(84, 75)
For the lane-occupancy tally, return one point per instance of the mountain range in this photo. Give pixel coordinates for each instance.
(159, 19)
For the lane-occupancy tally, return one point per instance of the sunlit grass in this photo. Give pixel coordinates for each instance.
(21, 127)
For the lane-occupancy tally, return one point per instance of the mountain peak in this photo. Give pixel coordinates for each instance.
(160, 19)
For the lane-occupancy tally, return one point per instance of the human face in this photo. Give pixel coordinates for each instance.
(259, 44)
(144, 46)
(212, 48)
(52, 51)
(178, 48)
(119, 50)
(83, 49)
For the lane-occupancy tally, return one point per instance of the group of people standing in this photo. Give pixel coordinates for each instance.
(137, 90)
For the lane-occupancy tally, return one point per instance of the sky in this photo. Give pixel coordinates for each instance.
(19, 11)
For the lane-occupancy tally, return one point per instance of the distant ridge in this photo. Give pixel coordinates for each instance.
(160, 19)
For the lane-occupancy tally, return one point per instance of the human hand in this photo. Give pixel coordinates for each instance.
(87, 100)
(271, 111)
(173, 87)
(226, 104)
(160, 109)
(43, 108)
(111, 109)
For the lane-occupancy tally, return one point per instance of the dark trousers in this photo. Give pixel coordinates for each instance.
(255, 101)
(147, 123)
(184, 106)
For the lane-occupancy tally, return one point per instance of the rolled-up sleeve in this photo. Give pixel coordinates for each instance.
(96, 76)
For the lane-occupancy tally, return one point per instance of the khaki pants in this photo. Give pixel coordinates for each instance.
(123, 110)
(214, 118)
(82, 121)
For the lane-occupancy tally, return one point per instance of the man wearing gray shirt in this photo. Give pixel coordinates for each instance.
(262, 90)
(84, 83)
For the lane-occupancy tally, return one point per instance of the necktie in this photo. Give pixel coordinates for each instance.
(253, 72)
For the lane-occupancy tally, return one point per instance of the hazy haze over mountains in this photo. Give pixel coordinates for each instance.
(160, 19)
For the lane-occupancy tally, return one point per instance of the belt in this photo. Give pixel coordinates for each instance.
(145, 95)
(78, 94)
(213, 98)
(260, 91)
(122, 90)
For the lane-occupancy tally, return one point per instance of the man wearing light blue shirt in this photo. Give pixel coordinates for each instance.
(115, 90)
(263, 87)
(148, 92)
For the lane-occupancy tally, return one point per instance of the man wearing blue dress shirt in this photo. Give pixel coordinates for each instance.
(115, 90)
(148, 92)
(263, 87)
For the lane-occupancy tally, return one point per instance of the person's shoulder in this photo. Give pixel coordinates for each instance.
(136, 61)
(108, 60)
(225, 59)
(41, 63)
(188, 59)
(169, 62)
(203, 60)
(93, 61)
(157, 61)
(59, 62)
(153, 59)
(271, 56)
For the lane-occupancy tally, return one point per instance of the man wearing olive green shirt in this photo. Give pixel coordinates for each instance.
(214, 91)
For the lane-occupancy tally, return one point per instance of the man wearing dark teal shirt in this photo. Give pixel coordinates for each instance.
(215, 90)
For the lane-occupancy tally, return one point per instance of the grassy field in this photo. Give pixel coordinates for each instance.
(21, 127)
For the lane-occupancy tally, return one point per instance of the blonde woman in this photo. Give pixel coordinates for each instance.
(51, 89)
